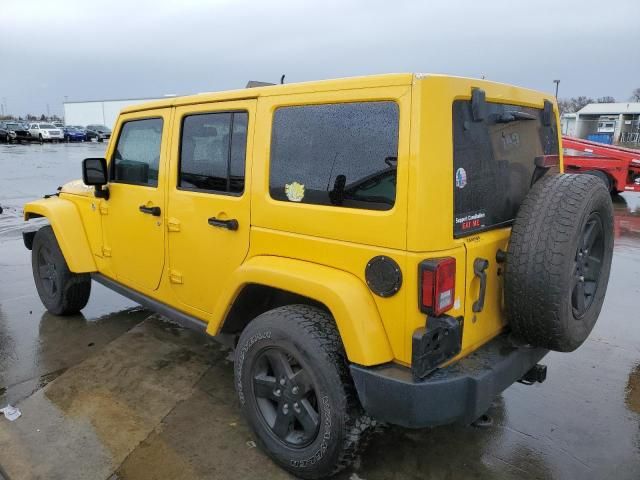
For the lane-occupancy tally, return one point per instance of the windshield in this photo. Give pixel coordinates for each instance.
(13, 126)
(47, 125)
(494, 162)
(102, 128)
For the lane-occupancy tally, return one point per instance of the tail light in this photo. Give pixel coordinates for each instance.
(437, 285)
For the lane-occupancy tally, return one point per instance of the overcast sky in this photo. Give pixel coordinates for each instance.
(85, 49)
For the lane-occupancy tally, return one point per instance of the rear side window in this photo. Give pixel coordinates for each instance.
(212, 152)
(137, 154)
(494, 162)
(336, 154)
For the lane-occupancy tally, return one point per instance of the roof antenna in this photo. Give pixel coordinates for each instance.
(282, 79)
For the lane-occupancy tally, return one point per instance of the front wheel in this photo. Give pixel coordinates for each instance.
(296, 393)
(40, 139)
(61, 291)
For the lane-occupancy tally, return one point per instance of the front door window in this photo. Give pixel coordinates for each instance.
(137, 154)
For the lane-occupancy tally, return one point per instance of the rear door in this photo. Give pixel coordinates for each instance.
(209, 214)
(494, 168)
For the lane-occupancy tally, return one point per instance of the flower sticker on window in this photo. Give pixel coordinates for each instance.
(294, 191)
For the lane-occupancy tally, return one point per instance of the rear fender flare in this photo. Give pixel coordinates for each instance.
(346, 296)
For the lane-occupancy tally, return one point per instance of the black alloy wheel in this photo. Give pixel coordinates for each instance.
(588, 264)
(47, 271)
(286, 397)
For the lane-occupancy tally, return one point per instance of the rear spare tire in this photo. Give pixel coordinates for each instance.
(606, 179)
(558, 261)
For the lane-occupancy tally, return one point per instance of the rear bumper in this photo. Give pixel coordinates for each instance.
(459, 393)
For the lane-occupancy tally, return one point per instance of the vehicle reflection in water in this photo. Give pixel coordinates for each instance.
(496, 451)
(632, 396)
(626, 221)
(35, 352)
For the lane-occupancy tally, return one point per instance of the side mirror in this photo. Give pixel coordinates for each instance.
(94, 173)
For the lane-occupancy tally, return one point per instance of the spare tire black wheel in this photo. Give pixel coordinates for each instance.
(558, 261)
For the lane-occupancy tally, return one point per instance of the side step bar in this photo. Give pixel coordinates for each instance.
(177, 316)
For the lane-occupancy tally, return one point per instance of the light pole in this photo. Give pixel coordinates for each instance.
(557, 82)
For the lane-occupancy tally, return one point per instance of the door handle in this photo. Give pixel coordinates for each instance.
(480, 266)
(231, 224)
(155, 211)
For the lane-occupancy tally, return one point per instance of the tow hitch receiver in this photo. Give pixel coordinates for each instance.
(537, 374)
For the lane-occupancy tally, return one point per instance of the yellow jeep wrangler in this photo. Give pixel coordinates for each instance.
(395, 248)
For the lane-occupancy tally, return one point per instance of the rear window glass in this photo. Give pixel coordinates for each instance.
(336, 154)
(494, 162)
(212, 152)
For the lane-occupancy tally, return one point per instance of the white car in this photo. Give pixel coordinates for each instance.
(45, 132)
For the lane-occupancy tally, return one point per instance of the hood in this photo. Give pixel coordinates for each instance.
(77, 187)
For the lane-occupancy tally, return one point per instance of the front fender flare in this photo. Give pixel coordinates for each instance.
(363, 336)
(67, 225)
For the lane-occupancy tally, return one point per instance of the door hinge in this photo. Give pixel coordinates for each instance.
(106, 251)
(175, 276)
(104, 208)
(173, 225)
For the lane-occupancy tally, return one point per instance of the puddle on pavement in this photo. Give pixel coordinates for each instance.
(626, 221)
(15, 393)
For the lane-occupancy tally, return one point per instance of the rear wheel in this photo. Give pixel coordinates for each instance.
(558, 261)
(61, 291)
(295, 390)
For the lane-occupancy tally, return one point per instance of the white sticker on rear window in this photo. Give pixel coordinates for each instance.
(461, 178)
(470, 221)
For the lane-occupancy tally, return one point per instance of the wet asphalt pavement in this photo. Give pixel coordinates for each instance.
(119, 393)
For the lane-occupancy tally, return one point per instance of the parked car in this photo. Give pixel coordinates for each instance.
(395, 248)
(4, 133)
(99, 132)
(45, 132)
(74, 134)
(16, 132)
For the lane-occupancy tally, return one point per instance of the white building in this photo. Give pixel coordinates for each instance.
(605, 122)
(99, 112)
(568, 123)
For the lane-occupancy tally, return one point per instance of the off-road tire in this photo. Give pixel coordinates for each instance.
(71, 291)
(311, 336)
(542, 260)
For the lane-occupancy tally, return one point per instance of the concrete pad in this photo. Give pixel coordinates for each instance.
(85, 423)
(204, 437)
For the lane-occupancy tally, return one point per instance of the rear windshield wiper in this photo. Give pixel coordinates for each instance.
(509, 117)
